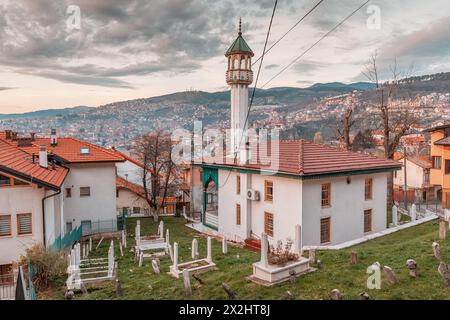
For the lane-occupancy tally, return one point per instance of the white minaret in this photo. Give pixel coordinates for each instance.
(239, 76)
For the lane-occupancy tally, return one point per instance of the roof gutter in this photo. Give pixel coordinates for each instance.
(28, 178)
(304, 176)
(43, 211)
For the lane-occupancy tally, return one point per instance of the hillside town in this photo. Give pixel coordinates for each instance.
(331, 192)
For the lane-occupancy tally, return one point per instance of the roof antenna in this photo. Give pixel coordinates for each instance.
(240, 26)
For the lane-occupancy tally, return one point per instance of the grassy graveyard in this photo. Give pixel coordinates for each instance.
(336, 271)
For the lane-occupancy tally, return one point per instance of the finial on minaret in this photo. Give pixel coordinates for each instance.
(240, 26)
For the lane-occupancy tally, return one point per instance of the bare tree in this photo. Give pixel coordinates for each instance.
(344, 127)
(160, 175)
(396, 109)
(395, 105)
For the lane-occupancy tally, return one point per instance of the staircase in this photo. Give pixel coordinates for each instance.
(252, 244)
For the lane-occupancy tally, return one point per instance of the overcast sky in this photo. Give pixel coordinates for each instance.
(142, 48)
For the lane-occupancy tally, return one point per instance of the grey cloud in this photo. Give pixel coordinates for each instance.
(80, 79)
(307, 66)
(416, 52)
(272, 66)
(178, 35)
(433, 41)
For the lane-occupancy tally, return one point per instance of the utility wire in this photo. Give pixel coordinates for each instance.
(316, 43)
(256, 83)
(292, 28)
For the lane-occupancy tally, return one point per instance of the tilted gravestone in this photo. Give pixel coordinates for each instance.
(390, 275)
(187, 282)
(155, 266)
(442, 230)
(437, 250)
(444, 271)
(335, 294)
(353, 257)
(412, 267)
(312, 256)
(364, 296)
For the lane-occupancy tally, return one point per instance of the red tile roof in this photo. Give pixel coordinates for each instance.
(138, 190)
(304, 158)
(443, 142)
(68, 149)
(19, 163)
(441, 127)
(124, 184)
(426, 164)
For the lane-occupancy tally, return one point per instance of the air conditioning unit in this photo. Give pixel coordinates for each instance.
(253, 195)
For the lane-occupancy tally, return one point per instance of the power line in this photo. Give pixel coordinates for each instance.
(315, 43)
(292, 28)
(256, 83)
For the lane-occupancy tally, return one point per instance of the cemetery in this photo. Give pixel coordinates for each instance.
(413, 264)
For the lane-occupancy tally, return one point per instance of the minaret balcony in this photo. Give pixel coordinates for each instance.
(239, 77)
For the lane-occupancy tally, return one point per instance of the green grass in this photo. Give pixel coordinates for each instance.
(392, 250)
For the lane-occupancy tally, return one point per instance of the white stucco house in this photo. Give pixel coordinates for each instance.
(334, 195)
(84, 195)
(417, 172)
(130, 188)
(30, 197)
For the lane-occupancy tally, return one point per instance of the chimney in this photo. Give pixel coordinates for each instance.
(24, 142)
(53, 138)
(43, 156)
(8, 134)
(33, 136)
(14, 136)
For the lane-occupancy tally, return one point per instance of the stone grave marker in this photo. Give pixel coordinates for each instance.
(390, 275)
(412, 267)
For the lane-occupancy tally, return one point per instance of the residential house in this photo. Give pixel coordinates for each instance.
(440, 162)
(88, 194)
(130, 189)
(30, 201)
(336, 196)
(418, 186)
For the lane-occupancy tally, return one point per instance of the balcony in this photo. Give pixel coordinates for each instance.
(239, 77)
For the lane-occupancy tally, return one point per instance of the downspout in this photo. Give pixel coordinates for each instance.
(43, 212)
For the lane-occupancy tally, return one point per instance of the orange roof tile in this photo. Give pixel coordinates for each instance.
(124, 184)
(69, 150)
(18, 163)
(304, 158)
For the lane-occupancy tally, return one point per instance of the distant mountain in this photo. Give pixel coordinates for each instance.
(339, 86)
(46, 113)
(216, 104)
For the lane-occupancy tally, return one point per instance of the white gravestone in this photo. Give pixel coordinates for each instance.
(394, 215)
(175, 257)
(194, 253)
(224, 246)
(161, 229)
(413, 212)
(264, 248)
(298, 240)
(209, 250)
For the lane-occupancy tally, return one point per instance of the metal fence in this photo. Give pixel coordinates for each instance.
(31, 273)
(67, 240)
(100, 226)
(7, 287)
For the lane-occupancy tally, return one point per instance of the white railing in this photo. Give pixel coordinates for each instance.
(7, 287)
(212, 219)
